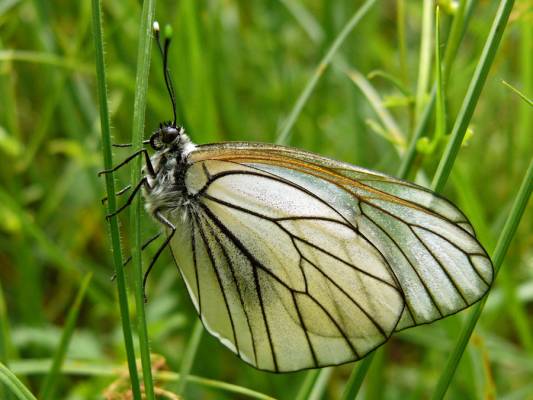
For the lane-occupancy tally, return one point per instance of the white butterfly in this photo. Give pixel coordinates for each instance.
(296, 261)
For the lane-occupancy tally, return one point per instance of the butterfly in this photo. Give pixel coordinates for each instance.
(294, 260)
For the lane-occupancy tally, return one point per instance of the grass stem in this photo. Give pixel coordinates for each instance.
(112, 201)
(139, 105)
(507, 234)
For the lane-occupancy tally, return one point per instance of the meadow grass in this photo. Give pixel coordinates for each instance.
(371, 83)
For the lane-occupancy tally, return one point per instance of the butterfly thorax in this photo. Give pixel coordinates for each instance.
(168, 193)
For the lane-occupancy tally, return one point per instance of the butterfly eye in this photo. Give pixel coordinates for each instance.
(169, 134)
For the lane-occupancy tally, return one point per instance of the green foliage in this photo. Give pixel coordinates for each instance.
(250, 71)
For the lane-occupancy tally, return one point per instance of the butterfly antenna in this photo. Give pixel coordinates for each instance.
(163, 49)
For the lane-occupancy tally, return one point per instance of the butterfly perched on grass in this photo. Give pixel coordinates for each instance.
(296, 261)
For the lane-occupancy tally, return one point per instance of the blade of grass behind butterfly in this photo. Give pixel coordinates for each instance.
(472, 96)
(139, 106)
(424, 59)
(48, 387)
(10, 147)
(86, 368)
(283, 136)
(6, 348)
(502, 246)
(112, 201)
(12, 382)
(525, 141)
(188, 357)
(459, 25)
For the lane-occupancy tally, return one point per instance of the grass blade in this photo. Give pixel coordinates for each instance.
(504, 241)
(320, 384)
(11, 381)
(189, 356)
(50, 382)
(84, 368)
(424, 62)
(283, 136)
(357, 377)
(393, 131)
(307, 386)
(5, 339)
(139, 105)
(472, 95)
(459, 25)
(112, 201)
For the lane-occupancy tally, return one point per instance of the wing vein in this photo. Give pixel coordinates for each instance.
(241, 300)
(408, 261)
(255, 263)
(219, 281)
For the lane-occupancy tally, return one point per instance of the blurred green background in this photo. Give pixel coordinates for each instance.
(238, 69)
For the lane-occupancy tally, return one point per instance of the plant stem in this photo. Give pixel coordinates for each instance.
(139, 105)
(112, 201)
(472, 94)
(283, 136)
(509, 229)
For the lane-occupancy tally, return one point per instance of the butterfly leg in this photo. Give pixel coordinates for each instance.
(144, 246)
(128, 144)
(119, 193)
(172, 228)
(144, 152)
(142, 182)
(121, 145)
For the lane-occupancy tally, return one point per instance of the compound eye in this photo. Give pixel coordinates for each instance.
(169, 134)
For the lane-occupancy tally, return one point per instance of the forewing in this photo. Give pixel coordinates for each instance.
(278, 274)
(425, 241)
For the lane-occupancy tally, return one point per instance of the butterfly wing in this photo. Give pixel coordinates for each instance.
(296, 261)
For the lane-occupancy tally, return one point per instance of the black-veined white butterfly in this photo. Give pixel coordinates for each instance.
(296, 261)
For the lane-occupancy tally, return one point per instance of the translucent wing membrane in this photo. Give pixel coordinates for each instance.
(296, 261)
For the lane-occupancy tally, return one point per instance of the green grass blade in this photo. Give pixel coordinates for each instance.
(425, 145)
(189, 356)
(525, 141)
(283, 136)
(139, 106)
(85, 368)
(402, 42)
(393, 131)
(5, 338)
(472, 95)
(459, 25)
(11, 381)
(502, 246)
(320, 385)
(527, 100)
(424, 60)
(352, 387)
(307, 386)
(50, 382)
(440, 110)
(112, 201)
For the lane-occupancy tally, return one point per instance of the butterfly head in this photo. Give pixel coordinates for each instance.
(168, 136)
